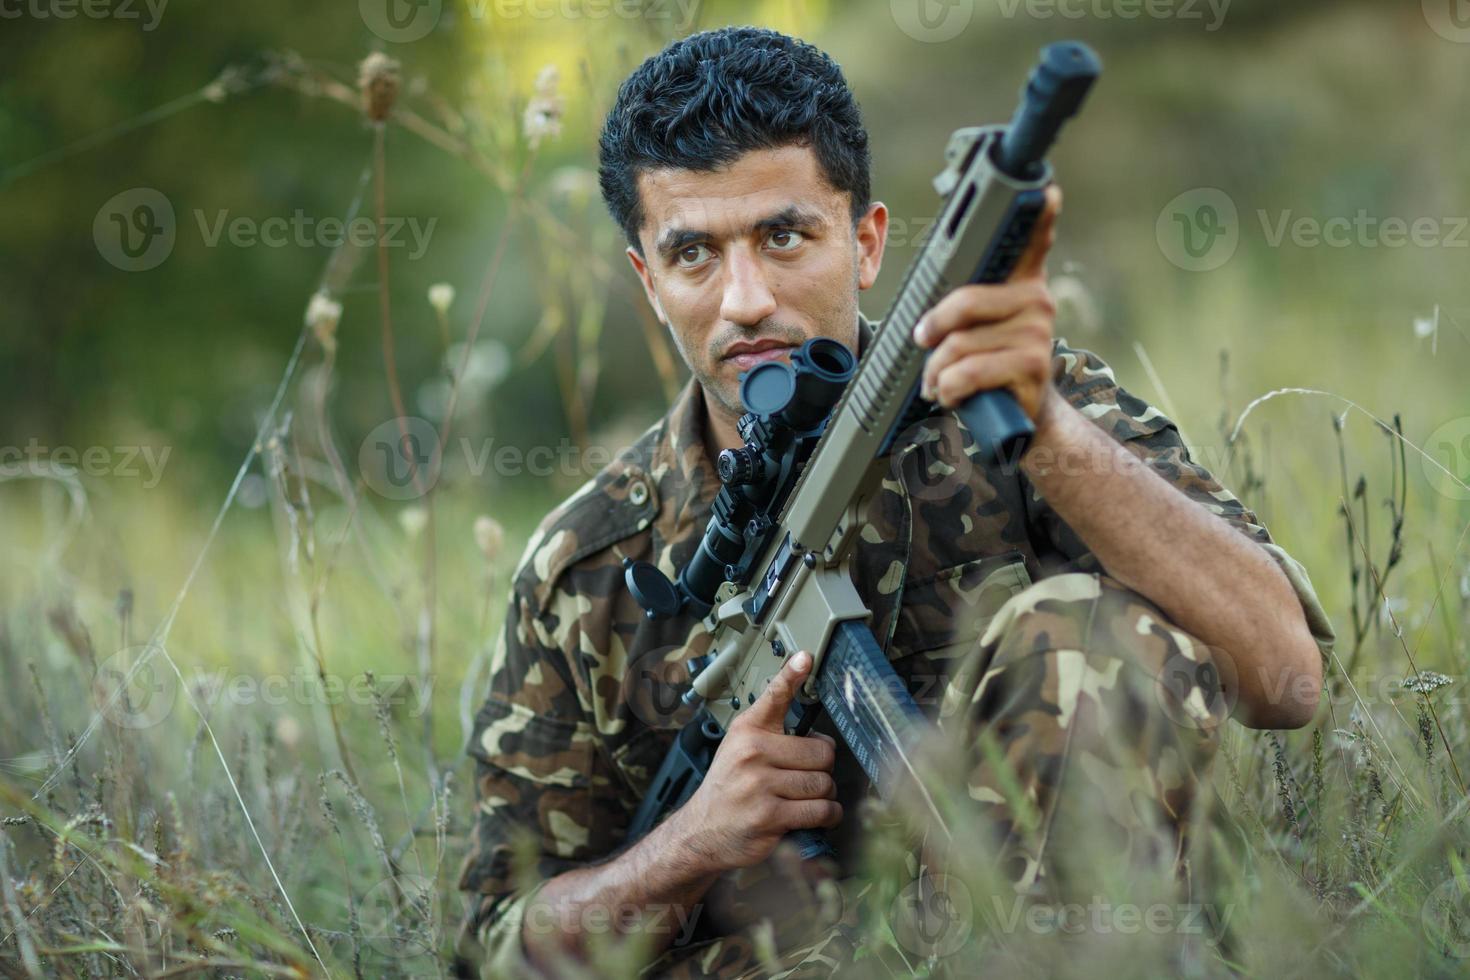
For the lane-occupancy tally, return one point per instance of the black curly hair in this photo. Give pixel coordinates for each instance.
(705, 100)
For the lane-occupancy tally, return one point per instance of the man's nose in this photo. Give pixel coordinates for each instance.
(747, 299)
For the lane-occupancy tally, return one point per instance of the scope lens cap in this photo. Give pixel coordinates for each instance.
(651, 589)
(828, 359)
(767, 388)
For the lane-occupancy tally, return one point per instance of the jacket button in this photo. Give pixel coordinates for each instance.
(638, 493)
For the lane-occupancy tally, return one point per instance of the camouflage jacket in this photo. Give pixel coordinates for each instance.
(583, 698)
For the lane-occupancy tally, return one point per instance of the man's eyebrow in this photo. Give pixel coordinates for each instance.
(791, 216)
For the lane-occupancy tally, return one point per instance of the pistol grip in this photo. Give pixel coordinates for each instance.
(1000, 428)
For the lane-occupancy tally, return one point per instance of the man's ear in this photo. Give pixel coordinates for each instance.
(641, 267)
(872, 236)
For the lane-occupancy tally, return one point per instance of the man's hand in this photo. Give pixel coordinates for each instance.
(762, 782)
(997, 335)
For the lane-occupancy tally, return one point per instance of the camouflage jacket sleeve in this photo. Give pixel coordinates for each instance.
(1089, 385)
(546, 802)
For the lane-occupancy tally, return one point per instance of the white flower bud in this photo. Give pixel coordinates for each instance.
(441, 296)
(489, 536)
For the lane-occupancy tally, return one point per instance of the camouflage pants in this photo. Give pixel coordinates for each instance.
(1084, 722)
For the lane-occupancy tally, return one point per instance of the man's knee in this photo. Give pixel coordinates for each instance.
(1078, 633)
(1079, 674)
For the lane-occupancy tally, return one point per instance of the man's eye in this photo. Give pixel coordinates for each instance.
(785, 240)
(692, 255)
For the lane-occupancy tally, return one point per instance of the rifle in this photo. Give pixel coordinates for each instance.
(771, 574)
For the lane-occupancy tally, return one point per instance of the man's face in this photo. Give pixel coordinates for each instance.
(745, 263)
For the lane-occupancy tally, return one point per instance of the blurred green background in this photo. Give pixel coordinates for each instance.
(1317, 109)
(1257, 196)
(1305, 112)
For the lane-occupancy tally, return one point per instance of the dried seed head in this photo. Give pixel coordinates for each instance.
(543, 112)
(377, 80)
(441, 295)
(489, 536)
(322, 315)
(1426, 681)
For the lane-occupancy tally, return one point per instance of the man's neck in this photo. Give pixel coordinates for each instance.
(720, 431)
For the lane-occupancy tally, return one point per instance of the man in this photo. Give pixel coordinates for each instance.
(1040, 607)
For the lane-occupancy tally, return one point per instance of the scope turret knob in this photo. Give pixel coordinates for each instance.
(738, 467)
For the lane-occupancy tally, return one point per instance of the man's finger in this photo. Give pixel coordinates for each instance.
(1012, 332)
(769, 710)
(1032, 264)
(799, 752)
(1012, 369)
(966, 306)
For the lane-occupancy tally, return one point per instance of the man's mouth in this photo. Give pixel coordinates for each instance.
(746, 354)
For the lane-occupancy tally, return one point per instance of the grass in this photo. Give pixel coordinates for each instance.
(1338, 848)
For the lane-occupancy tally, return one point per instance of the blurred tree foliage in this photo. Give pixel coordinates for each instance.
(1315, 107)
